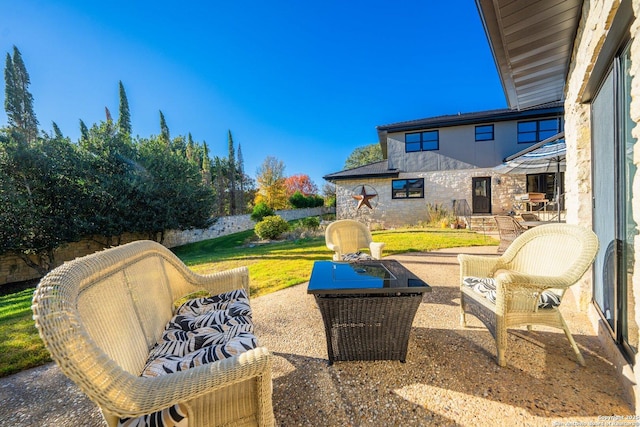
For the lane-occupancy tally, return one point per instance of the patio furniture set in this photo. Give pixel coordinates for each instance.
(109, 319)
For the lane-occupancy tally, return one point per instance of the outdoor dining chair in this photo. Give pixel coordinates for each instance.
(347, 237)
(526, 284)
(508, 229)
(528, 216)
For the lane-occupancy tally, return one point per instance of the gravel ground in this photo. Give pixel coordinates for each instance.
(450, 377)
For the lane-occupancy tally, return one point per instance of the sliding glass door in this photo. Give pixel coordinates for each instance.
(613, 174)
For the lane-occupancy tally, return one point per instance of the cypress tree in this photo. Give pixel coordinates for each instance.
(84, 134)
(241, 174)
(57, 133)
(206, 165)
(18, 99)
(124, 116)
(232, 176)
(164, 130)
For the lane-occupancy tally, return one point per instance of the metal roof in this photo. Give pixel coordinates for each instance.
(372, 170)
(476, 118)
(531, 42)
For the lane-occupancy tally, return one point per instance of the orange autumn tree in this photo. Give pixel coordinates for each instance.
(302, 183)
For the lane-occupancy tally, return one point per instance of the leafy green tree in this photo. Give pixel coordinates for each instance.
(18, 101)
(240, 167)
(172, 195)
(42, 197)
(271, 184)
(124, 116)
(363, 156)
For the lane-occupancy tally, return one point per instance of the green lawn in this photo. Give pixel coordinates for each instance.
(272, 266)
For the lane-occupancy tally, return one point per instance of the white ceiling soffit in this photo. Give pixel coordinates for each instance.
(531, 42)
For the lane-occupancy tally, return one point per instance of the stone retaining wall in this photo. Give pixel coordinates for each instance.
(13, 269)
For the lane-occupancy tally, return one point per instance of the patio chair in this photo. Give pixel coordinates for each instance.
(346, 237)
(525, 285)
(509, 229)
(528, 216)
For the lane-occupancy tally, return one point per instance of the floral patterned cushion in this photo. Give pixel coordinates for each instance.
(203, 330)
(486, 287)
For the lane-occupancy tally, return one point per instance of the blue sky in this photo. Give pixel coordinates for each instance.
(303, 81)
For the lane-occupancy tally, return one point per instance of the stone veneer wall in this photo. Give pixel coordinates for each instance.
(440, 188)
(13, 269)
(594, 27)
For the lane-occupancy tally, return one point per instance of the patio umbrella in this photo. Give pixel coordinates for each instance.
(547, 156)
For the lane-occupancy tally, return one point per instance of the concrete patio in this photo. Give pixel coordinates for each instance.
(450, 377)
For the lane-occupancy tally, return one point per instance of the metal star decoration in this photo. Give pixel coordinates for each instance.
(363, 198)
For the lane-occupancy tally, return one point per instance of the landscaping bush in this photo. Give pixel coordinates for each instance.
(299, 201)
(311, 222)
(271, 227)
(260, 211)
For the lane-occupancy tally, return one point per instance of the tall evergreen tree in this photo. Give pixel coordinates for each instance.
(84, 134)
(242, 180)
(232, 175)
(107, 113)
(18, 99)
(164, 129)
(206, 165)
(124, 116)
(190, 152)
(57, 133)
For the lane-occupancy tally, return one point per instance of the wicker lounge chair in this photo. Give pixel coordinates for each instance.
(509, 229)
(528, 281)
(347, 237)
(100, 315)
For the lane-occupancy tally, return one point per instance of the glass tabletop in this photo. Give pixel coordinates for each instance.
(376, 276)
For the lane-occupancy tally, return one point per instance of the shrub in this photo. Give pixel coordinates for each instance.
(260, 211)
(271, 227)
(298, 200)
(311, 222)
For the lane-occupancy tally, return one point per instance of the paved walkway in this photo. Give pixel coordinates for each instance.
(450, 377)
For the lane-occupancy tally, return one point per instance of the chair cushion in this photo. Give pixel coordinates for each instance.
(486, 286)
(203, 330)
(356, 256)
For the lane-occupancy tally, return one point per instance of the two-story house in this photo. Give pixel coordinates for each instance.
(439, 161)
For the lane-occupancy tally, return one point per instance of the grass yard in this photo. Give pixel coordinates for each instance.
(272, 266)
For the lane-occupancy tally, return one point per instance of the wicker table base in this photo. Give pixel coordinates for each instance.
(368, 327)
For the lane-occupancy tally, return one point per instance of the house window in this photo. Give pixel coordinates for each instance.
(538, 130)
(484, 133)
(407, 188)
(421, 141)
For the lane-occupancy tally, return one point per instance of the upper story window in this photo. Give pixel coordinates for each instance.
(407, 188)
(421, 141)
(538, 130)
(484, 133)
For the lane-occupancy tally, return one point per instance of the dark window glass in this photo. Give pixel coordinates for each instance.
(407, 188)
(484, 133)
(538, 130)
(421, 141)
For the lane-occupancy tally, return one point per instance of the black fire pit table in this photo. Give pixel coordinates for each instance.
(367, 307)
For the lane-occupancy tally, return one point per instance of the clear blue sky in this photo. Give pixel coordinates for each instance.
(303, 81)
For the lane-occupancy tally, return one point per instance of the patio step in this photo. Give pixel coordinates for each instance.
(486, 223)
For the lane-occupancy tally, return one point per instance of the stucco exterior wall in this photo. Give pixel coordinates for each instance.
(594, 28)
(441, 187)
(458, 149)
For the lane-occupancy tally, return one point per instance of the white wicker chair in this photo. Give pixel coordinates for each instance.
(347, 236)
(99, 316)
(547, 257)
